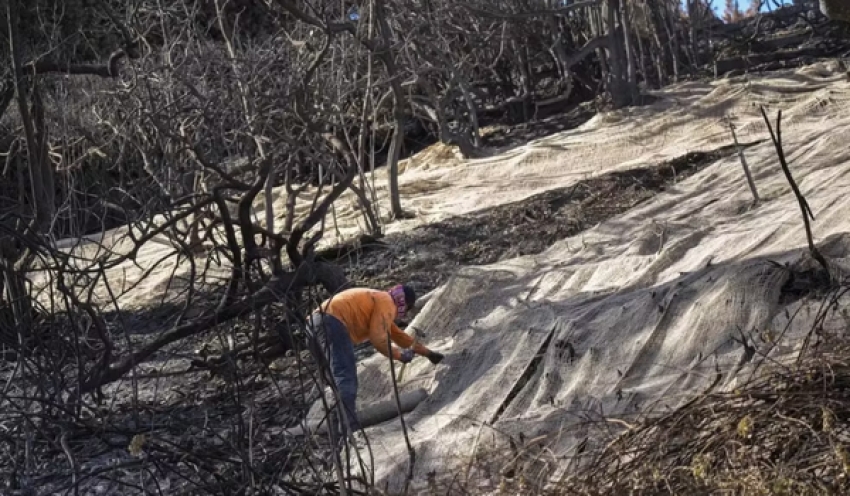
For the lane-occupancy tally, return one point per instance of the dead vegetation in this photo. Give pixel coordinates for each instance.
(783, 432)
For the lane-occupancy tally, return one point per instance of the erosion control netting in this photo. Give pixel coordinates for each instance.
(638, 314)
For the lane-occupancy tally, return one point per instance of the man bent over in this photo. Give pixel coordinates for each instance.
(357, 315)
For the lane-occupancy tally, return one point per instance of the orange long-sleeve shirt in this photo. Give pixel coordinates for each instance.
(368, 314)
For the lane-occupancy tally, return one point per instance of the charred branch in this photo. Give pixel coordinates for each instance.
(108, 70)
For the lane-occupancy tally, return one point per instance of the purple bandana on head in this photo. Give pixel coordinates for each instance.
(397, 294)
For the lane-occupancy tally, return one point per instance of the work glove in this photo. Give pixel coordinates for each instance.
(406, 356)
(435, 357)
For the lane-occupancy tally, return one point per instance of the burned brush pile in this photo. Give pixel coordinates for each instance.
(786, 433)
(783, 430)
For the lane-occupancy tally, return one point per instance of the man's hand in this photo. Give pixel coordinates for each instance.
(406, 356)
(435, 357)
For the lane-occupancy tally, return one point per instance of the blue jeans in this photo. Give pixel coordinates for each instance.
(334, 344)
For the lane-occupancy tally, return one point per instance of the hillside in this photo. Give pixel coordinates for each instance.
(682, 295)
(625, 318)
(621, 311)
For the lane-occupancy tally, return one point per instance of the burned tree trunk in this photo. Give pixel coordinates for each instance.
(620, 87)
(836, 10)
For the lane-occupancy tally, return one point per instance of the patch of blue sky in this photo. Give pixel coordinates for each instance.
(719, 5)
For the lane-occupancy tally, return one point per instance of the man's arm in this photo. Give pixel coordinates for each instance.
(381, 324)
(405, 340)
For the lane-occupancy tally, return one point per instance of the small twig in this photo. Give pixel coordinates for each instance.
(63, 441)
(744, 164)
(804, 205)
(404, 365)
(819, 319)
(410, 451)
(472, 454)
